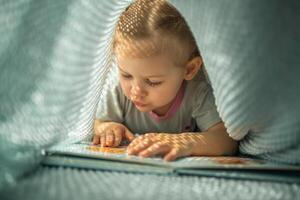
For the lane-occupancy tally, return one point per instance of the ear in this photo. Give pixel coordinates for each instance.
(192, 67)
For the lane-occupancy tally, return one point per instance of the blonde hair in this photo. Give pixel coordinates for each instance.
(151, 27)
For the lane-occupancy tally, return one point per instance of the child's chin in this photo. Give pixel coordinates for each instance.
(143, 109)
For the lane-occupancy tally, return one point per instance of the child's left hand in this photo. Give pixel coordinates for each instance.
(171, 146)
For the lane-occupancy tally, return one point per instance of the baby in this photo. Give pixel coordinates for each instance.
(162, 92)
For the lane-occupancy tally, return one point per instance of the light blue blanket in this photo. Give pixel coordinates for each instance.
(55, 60)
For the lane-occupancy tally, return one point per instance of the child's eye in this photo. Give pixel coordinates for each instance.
(153, 84)
(126, 76)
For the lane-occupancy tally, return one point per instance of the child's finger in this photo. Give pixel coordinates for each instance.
(150, 135)
(129, 135)
(109, 139)
(138, 146)
(96, 140)
(118, 137)
(103, 140)
(172, 155)
(133, 143)
(155, 149)
(136, 141)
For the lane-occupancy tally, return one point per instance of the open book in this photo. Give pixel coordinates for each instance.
(88, 156)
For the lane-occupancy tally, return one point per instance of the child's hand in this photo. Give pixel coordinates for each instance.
(171, 146)
(110, 134)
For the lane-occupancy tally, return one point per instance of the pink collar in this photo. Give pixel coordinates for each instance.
(174, 107)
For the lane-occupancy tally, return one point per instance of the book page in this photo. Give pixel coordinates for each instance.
(87, 150)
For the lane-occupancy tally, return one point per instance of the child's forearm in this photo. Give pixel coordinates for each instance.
(214, 142)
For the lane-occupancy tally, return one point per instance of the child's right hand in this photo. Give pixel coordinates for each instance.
(110, 134)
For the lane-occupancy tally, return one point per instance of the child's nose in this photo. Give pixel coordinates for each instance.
(137, 92)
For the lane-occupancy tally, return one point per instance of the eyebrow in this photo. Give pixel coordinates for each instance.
(150, 76)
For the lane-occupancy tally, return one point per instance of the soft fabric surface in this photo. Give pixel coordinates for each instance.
(61, 184)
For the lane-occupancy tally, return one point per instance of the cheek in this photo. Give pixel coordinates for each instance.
(125, 85)
(169, 91)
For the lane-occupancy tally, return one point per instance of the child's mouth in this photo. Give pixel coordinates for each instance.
(139, 104)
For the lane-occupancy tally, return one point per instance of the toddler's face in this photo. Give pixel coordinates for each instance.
(150, 83)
